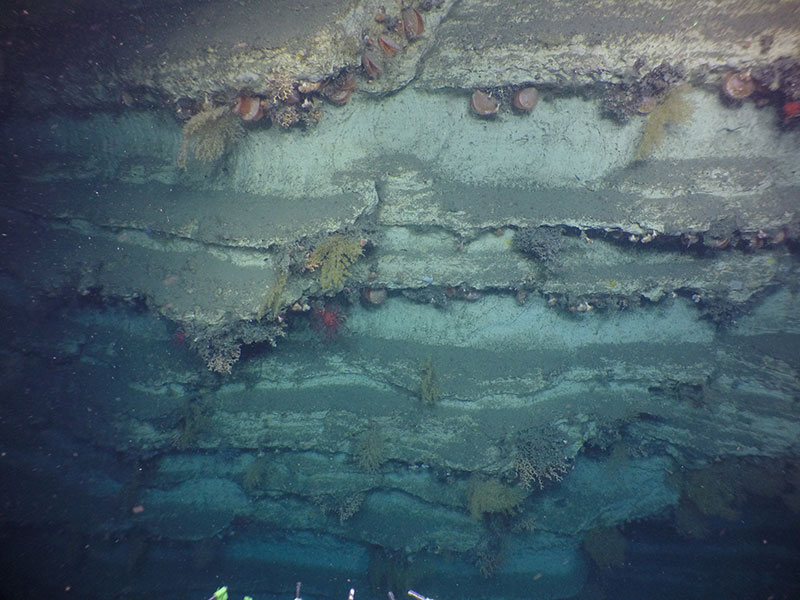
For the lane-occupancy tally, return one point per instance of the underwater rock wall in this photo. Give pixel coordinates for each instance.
(341, 441)
(531, 328)
(705, 197)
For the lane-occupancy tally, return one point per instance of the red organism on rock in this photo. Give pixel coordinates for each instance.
(178, 338)
(791, 111)
(328, 320)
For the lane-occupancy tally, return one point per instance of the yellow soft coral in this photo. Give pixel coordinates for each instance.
(334, 257)
(209, 134)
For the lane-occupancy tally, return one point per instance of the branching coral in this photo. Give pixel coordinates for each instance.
(674, 109)
(370, 451)
(209, 134)
(334, 256)
(492, 496)
(220, 357)
(540, 457)
(429, 387)
(273, 302)
(221, 348)
(193, 421)
(343, 505)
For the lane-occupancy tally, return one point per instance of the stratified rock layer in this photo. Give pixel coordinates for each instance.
(598, 380)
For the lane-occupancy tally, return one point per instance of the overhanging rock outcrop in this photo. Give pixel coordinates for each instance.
(170, 53)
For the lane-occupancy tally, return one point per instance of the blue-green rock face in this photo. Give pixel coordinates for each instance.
(374, 342)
